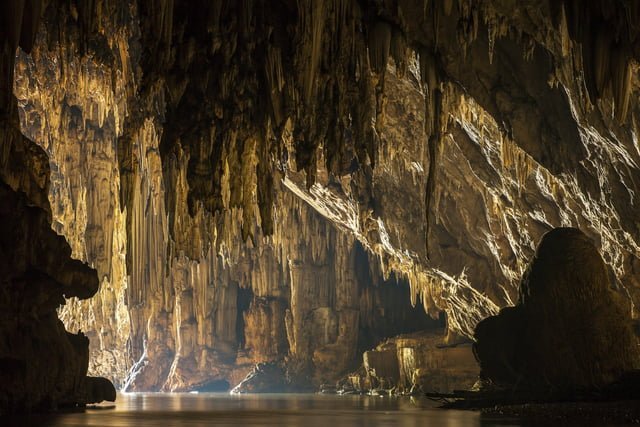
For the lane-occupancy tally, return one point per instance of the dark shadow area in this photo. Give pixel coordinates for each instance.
(245, 296)
(213, 387)
(391, 313)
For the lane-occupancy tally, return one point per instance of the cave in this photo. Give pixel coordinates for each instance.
(374, 198)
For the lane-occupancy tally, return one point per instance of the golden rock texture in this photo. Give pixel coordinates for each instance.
(262, 181)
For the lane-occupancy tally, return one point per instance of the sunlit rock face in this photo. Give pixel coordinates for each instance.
(245, 175)
(568, 331)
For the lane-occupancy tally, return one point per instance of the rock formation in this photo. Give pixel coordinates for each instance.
(568, 331)
(42, 366)
(259, 181)
(267, 378)
(413, 364)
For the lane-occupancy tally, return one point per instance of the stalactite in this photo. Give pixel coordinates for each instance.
(601, 51)
(447, 7)
(564, 31)
(433, 110)
(30, 21)
(249, 162)
(87, 21)
(428, 71)
(606, 35)
(514, 158)
(621, 81)
(312, 24)
(399, 51)
(492, 41)
(379, 46)
(436, 8)
(276, 81)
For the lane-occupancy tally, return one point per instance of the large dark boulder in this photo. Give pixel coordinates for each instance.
(42, 366)
(99, 389)
(569, 330)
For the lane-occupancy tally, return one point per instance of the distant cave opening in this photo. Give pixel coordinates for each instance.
(244, 298)
(388, 310)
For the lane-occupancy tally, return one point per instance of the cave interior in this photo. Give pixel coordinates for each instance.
(339, 195)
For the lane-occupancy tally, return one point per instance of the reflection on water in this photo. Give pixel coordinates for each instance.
(308, 410)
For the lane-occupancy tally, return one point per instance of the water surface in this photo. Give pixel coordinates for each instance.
(307, 410)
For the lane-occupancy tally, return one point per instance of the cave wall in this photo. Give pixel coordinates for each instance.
(42, 365)
(183, 318)
(225, 156)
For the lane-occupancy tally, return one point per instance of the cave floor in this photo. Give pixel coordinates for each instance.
(205, 409)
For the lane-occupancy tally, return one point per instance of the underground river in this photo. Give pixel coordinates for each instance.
(308, 410)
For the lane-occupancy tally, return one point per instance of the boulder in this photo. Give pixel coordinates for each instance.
(569, 330)
(99, 389)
